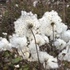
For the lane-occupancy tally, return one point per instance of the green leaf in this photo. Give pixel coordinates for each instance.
(6, 54)
(26, 67)
(16, 60)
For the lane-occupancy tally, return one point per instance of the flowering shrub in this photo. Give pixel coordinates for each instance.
(31, 33)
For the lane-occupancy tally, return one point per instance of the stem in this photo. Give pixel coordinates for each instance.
(53, 32)
(36, 46)
(21, 50)
(49, 46)
(45, 65)
(53, 37)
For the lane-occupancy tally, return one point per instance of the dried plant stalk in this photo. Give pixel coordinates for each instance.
(36, 46)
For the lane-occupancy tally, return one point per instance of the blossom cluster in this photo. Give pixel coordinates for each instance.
(31, 33)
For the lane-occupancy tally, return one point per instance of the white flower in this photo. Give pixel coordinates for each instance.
(65, 54)
(66, 35)
(45, 27)
(50, 21)
(32, 47)
(54, 36)
(33, 51)
(51, 63)
(59, 44)
(45, 38)
(64, 27)
(19, 28)
(4, 44)
(52, 16)
(24, 52)
(18, 42)
(25, 22)
(39, 40)
(68, 44)
(44, 56)
(60, 27)
(21, 44)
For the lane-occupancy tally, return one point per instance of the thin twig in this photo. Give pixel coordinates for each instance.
(45, 65)
(53, 32)
(36, 46)
(21, 50)
(49, 46)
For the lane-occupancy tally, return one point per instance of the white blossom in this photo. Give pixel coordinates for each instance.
(24, 53)
(32, 47)
(66, 35)
(65, 54)
(4, 44)
(50, 23)
(51, 63)
(18, 42)
(23, 23)
(60, 44)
